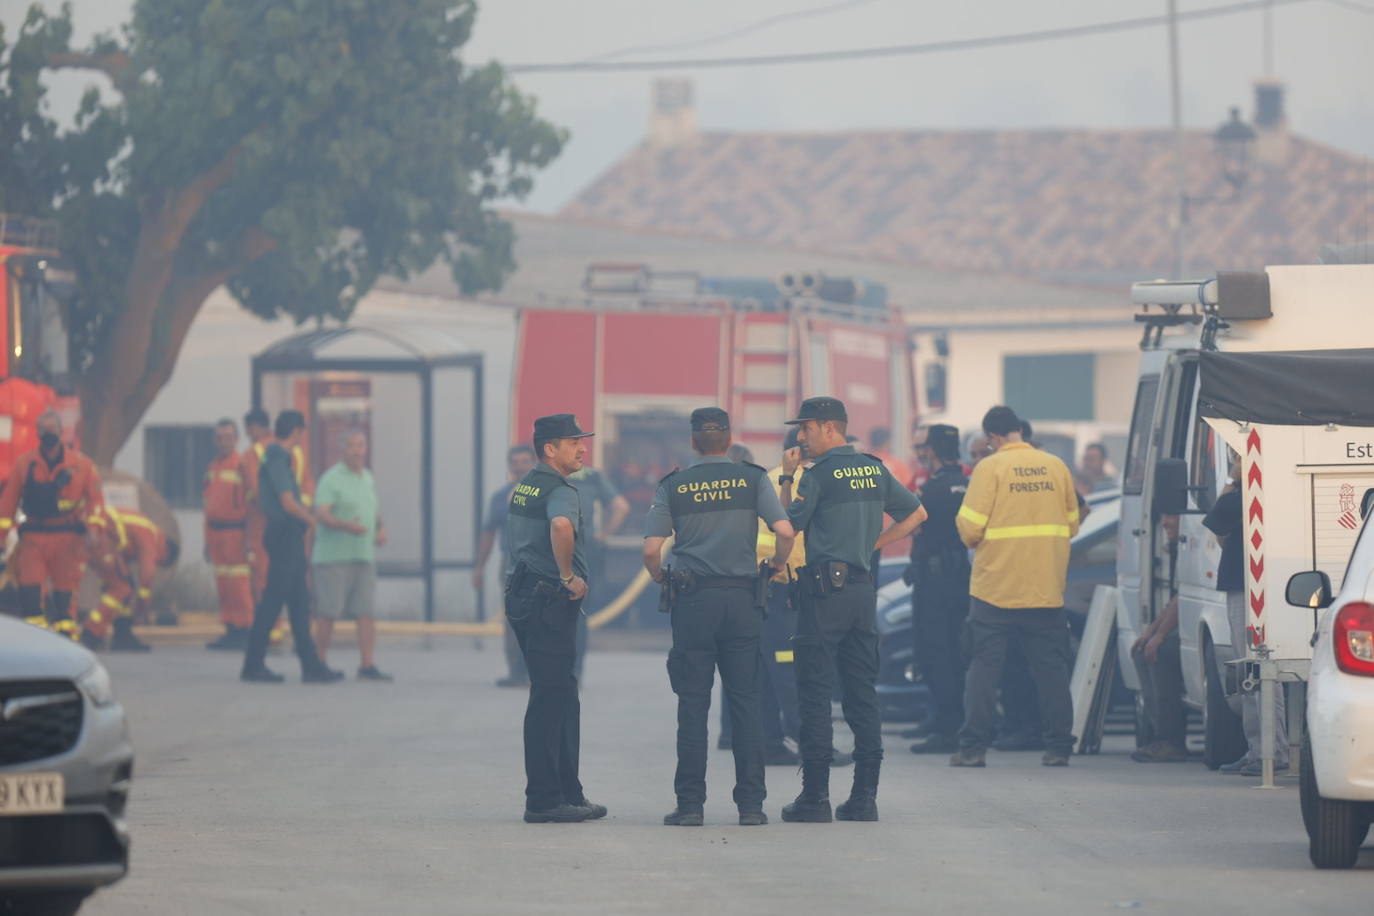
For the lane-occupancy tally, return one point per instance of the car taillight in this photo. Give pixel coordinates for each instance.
(1353, 635)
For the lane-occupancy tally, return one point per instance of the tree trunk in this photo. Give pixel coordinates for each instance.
(146, 340)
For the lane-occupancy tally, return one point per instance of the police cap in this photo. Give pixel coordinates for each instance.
(558, 426)
(820, 409)
(709, 418)
(943, 440)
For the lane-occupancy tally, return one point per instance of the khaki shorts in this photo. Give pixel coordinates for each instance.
(345, 590)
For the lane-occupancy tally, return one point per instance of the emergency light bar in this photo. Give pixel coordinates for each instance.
(1174, 292)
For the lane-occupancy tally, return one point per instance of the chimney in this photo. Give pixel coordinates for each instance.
(673, 121)
(1270, 122)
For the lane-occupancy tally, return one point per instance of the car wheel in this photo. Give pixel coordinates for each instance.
(1223, 734)
(51, 903)
(1335, 829)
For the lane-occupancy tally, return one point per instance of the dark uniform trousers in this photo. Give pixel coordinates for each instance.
(1161, 686)
(939, 607)
(1043, 635)
(286, 585)
(547, 632)
(717, 628)
(837, 634)
(777, 678)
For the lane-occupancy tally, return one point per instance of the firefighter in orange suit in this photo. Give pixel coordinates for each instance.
(129, 551)
(58, 490)
(226, 537)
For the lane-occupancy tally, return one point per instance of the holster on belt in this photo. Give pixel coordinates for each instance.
(515, 579)
(667, 595)
(761, 586)
(821, 579)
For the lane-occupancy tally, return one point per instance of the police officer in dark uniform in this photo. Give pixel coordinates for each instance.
(938, 575)
(716, 600)
(839, 506)
(544, 593)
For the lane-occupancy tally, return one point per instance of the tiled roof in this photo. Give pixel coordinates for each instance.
(1054, 203)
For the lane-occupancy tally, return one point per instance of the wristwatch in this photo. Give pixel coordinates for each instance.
(785, 478)
(566, 579)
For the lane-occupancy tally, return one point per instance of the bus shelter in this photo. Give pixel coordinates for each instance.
(416, 393)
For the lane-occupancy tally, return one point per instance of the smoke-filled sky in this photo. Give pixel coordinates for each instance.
(1321, 49)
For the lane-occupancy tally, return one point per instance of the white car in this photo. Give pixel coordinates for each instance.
(65, 768)
(1337, 775)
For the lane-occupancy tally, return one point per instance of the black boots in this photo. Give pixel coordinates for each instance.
(863, 799)
(813, 804)
(124, 640)
(235, 639)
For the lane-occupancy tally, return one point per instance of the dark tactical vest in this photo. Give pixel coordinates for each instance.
(848, 516)
(527, 524)
(715, 510)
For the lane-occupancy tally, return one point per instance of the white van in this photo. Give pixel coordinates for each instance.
(1259, 362)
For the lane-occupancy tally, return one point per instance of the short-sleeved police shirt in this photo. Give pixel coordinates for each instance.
(942, 496)
(497, 508)
(592, 487)
(542, 496)
(713, 508)
(275, 479)
(840, 502)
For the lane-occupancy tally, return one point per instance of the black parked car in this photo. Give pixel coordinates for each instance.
(1092, 562)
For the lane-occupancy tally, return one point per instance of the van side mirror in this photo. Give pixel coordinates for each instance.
(1311, 589)
(1171, 486)
(1367, 503)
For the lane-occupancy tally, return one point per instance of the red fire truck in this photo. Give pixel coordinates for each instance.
(643, 349)
(33, 342)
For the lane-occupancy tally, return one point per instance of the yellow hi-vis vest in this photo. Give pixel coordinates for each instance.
(1019, 513)
(768, 542)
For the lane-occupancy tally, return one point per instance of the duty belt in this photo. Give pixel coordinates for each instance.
(858, 575)
(700, 582)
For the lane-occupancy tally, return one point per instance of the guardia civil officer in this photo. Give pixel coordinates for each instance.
(938, 576)
(544, 593)
(712, 508)
(839, 506)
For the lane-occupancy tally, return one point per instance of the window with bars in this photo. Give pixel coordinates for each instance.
(175, 459)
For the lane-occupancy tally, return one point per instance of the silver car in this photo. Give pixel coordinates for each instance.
(65, 768)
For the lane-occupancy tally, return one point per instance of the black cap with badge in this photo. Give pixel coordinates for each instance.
(709, 418)
(558, 426)
(820, 409)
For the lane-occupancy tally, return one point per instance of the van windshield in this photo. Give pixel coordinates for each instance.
(1137, 450)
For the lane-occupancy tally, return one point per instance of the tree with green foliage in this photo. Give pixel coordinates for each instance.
(292, 150)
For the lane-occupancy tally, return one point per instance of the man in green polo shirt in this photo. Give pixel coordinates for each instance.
(345, 556)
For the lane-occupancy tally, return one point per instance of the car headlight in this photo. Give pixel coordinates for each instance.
(95, 684)
(897, 613)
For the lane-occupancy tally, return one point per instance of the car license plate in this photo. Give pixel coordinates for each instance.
(31, 793)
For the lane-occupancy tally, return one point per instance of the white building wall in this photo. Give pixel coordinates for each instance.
(974, 380)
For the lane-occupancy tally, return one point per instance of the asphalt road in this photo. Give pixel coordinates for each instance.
(406, 798)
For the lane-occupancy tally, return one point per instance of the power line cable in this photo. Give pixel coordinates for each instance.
(1353, 6)
(930, 47)
(740, 32)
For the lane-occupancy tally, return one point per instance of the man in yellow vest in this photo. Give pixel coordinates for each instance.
(1020, 511)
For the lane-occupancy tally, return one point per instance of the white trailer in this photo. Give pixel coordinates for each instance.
(1274, 366)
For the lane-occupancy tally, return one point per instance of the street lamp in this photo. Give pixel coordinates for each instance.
(1233, 141)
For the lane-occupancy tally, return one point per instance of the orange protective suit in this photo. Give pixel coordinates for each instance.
(61, 499)
(225, 498)
(131, 547)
